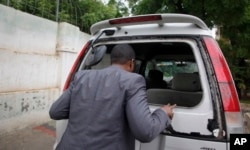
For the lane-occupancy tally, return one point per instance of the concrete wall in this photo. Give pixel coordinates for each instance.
(246, 116)
(247, 122)
(35, 58)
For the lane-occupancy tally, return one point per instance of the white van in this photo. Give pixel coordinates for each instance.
(182, 64)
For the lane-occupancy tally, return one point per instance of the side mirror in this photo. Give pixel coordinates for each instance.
(96, 55)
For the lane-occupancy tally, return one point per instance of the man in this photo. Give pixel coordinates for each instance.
(107, 109)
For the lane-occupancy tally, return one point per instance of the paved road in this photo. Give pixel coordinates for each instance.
(31, 138)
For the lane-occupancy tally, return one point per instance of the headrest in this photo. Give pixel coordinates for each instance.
(186, 82)
(155, 75)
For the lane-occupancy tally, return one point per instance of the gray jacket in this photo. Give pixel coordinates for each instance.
(107, 110)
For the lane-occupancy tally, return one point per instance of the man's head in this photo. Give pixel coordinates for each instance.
(124, 56)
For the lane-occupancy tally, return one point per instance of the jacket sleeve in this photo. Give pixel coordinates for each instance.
(60, 108)
(144, 125)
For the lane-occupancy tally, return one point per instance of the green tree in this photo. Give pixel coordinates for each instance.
(41, 8)
(96, 11)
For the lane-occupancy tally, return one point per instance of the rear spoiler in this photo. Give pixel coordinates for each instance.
(160, 19)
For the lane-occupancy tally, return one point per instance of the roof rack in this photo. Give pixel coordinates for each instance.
(148, 19)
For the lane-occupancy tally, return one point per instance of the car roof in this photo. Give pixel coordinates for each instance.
(176, 24)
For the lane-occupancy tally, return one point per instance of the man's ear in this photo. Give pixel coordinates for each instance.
(132, 65)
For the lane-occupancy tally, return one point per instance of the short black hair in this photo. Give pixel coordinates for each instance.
(122, 53)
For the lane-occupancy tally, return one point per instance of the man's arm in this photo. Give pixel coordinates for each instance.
(60, 108)
(145, 125)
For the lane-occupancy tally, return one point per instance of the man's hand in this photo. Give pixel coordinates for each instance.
(168, 109)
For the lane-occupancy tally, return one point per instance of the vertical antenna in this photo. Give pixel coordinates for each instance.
(57, 9)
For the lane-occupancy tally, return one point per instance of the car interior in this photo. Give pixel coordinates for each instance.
(170, 72)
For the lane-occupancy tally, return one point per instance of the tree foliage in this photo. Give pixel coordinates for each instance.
(82, 13)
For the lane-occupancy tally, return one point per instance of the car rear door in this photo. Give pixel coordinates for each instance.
(185, 135)
(191, 122)
(182, 143)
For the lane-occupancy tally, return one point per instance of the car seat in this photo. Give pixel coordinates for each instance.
(186, 91)
(155, 80)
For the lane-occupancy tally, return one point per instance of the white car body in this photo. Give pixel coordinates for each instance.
(191, 123)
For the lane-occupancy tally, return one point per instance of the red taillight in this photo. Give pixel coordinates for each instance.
(226, 84)
(135, 19)
(74, 67)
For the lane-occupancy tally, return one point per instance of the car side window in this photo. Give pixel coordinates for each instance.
(169, 68)
(173, 81)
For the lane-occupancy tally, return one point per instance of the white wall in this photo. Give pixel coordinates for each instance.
(35, 58)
